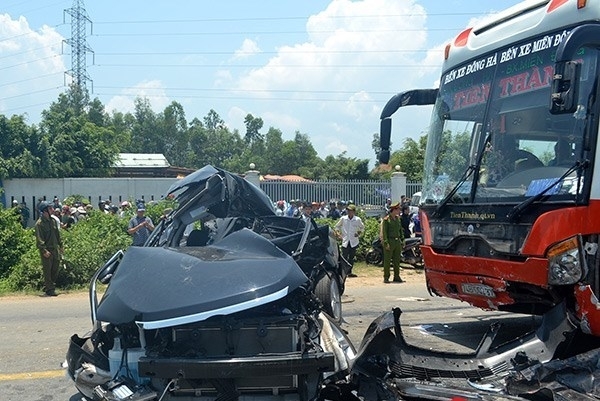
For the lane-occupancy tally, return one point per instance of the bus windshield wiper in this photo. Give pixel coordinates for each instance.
(466, 174)
(516, 212)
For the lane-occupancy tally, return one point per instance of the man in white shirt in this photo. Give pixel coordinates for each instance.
(349, 227)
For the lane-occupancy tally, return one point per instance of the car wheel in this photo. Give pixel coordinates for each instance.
(328, 291)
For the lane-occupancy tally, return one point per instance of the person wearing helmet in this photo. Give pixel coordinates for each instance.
(50, 246)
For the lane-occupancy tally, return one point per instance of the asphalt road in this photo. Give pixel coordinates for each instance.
(34, 332)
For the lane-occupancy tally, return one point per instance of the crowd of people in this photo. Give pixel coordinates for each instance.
(67, 214)
(397, 225)
(298, 208)
(55, 216)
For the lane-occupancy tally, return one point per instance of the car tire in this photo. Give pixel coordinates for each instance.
(374, 257)
(328, 291)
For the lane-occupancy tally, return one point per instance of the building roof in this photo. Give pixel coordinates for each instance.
(141, 160)
(147, 165)
(288, 178)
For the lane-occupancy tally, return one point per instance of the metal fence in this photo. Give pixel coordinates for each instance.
(360, 192)
(412, 187)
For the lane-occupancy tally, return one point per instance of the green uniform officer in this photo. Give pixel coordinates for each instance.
(50, 246)
(392, 238)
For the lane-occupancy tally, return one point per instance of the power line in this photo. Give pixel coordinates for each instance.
(277, 99)
(282, 18)
(343, 92)
(246, 33)
(329, 66)
(31, 93)
(31, 79)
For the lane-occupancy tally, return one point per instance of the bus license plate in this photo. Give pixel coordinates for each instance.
(478, 289)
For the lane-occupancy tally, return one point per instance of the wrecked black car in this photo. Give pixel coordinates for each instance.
(554, 361)
(225, 301)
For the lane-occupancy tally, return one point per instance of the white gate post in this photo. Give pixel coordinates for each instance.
(253, 175)
(398, 184)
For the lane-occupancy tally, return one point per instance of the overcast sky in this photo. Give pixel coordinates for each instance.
(323, 68)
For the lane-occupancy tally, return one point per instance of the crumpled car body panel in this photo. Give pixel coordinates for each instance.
(177, 287)
(219, 302)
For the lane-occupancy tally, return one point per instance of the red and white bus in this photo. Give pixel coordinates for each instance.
(510, 206)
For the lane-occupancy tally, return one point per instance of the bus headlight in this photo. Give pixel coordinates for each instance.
(564, 263)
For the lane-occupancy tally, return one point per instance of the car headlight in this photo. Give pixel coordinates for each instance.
(564, 263)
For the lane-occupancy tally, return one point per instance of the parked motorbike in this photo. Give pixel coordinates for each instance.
(411, 254)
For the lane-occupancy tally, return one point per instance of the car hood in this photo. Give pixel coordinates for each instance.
(162, 287)
(238, 197)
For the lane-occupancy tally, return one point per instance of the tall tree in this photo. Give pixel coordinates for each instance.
(145, 136)
(411, 158)
(253, 125)
(274, 160)
(176, 136)
(96, 113)
(17, 142)
(342, 167)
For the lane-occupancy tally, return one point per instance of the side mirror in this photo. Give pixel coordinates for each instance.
(107, 271)
(384, 156)
(565, 87)
(385, 136)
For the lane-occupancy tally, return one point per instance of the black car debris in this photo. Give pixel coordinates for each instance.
(225, 301)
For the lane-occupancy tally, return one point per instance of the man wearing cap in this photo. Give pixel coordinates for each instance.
(392, 238)
(349, 227)
(140, 226)
(50, 246)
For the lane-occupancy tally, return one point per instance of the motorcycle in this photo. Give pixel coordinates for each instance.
(411, 253)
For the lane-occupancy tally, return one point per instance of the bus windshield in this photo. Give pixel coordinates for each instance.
(492, 137)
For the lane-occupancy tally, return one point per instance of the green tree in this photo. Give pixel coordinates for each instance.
(96, 113)
(176, 134)
(211, 142)
(69, 144)
(253, 125)
(145, 136)
(274, 160)
(17, 142)
(411, 158)
(342, 167)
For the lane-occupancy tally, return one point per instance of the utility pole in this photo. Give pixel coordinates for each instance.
(79, 45)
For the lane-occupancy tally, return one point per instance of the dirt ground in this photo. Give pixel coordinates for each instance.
(369, 275)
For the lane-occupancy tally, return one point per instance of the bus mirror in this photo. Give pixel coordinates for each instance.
(565, 87)
(384, 156)
(385, 140)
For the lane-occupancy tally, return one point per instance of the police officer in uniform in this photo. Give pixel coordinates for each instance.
(392, 238)
(50, 246)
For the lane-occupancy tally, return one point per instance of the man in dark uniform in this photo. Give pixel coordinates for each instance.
(392, 239)
(50, 246)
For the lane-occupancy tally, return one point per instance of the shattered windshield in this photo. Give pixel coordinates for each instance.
(492, 137)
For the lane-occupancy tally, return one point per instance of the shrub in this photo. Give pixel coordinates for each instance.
(13, 242)
(87, 245)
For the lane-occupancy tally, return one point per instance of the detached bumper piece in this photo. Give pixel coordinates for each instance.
(255, 366)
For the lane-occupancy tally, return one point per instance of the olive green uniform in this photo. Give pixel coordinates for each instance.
(393, 243)
(48, 239)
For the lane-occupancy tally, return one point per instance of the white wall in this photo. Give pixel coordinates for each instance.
(115, 189)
